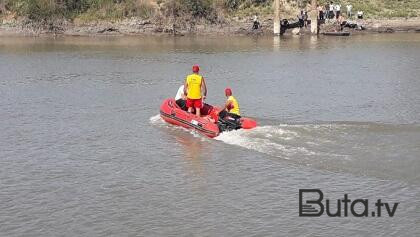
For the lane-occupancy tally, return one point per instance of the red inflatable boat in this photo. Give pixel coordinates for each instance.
(208, 124)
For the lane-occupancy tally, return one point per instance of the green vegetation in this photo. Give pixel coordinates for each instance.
(210, 10)
(195, 8)
(382, 8)
(91, 9)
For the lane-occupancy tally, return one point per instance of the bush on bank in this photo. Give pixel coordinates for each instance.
(114, 9)
(41, 10)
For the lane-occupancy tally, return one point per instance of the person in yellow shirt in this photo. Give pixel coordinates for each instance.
(194, 88)
(231, 108)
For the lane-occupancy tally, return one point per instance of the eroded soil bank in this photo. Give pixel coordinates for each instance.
(234, 26)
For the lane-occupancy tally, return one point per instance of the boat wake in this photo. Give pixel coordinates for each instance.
(357, 147)
(284, 140)
(156, 120)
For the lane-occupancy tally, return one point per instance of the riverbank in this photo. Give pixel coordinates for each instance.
(234, 26)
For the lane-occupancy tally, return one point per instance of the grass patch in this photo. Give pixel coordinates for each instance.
(210, 10)
(382, 8)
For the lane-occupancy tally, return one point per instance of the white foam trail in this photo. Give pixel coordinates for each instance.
(156, 119)
(273, 140)
(283, 140)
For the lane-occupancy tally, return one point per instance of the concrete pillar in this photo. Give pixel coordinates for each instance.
(314, 17)
(276, 24)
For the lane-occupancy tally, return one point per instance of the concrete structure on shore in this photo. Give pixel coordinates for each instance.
(314, 17)
(276, 23)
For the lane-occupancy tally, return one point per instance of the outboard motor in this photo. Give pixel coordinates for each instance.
(228, 124)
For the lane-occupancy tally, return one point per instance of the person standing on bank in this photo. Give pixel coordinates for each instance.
(256, 24)
(331, 11)
(196, 90)
(305, 19)
(359, 14)
(337, 10)
(320, 12)
(301, 20)
(349, 7)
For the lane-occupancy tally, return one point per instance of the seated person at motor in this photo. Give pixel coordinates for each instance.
(231, 108)
(181, 99)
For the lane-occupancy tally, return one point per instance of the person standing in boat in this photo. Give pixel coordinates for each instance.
(231, 108)
(194, 88)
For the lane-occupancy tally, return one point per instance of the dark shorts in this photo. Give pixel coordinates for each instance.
(195, 103)
(224, 113)
(182, 104)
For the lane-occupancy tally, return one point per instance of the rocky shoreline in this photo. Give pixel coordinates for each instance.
(137, 26)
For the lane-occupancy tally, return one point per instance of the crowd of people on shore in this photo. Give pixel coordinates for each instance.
(332, 13)
(329, 13)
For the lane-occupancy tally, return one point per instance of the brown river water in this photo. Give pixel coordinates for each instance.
(83, 151)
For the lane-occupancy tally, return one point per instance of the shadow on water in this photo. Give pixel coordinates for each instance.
(191, 143)
(192, 148)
